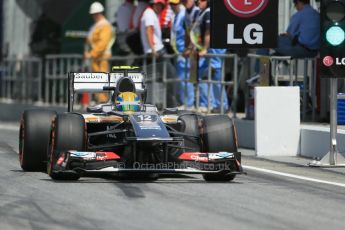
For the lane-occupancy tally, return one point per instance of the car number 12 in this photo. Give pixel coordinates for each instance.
(145, 118)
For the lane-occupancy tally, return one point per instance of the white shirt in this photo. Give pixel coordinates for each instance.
(150, 18)
(124, 16)
(137, 14)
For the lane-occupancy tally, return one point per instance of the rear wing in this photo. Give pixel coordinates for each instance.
(101, 82)
(98, 82)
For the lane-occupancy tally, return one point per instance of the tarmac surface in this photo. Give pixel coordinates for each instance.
(278, 193)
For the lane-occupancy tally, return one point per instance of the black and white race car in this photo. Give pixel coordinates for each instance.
(126, 136)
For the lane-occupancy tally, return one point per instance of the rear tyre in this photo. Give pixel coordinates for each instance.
(68, 133)
(219, 135)
(35, 128)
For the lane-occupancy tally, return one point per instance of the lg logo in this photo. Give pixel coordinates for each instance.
(252, 33)
(246, 8)
(328, 61)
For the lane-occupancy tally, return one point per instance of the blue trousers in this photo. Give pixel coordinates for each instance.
(182, 71)
(216, 89)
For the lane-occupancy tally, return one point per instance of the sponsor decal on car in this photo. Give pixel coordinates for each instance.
(196, 156)
(103, 156)
(220, 155)
(84, 155)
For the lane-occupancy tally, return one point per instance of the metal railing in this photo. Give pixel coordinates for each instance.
(305, 79)
(21, 80)
(56, 68)
(45, 80)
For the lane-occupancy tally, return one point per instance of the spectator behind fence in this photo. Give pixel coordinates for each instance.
(123, 18)
(200, 37)
(98, 43)
(166, 18)
(178, 32)
(133, 39)
(302, 37)
(192, 12)
(151, 39)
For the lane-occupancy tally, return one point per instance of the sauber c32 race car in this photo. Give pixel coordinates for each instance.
(126, 136)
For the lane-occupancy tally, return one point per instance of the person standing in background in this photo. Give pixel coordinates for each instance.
(200, 38)
(98, 43)
(133, 38)
(151, 39)
(191, 14)
(178, 32)
(123, 18)
(166, 18)
(137, 14)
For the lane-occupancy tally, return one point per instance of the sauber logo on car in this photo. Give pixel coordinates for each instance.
(90, 77)
(246, 8)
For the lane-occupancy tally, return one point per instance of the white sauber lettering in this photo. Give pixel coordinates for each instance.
(93, 77)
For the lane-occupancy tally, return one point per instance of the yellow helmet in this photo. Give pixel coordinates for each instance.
(128, 102)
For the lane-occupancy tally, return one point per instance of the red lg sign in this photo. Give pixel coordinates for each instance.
(246, 8)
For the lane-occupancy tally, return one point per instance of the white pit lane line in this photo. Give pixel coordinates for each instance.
(268, 171)
(9, 126)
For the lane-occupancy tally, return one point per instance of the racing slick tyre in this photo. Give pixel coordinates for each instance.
(68, 133)
(190, 126)
(35, 128)
(219, 135)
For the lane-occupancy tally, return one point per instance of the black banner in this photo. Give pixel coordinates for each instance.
(244, 23)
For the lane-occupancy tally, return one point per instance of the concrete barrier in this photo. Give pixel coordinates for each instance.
(12, 112)
(277, 121)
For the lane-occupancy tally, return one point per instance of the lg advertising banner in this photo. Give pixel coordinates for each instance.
(244, 23)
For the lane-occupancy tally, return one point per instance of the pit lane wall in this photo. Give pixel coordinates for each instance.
(10, 112)
(314, 138)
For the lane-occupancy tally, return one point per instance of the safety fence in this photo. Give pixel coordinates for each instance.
(21, 79)
(289, 71)
(45, 80)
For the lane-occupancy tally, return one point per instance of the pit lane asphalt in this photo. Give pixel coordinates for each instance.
(256, 201)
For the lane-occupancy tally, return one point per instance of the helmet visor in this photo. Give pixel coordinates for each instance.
(128, 108)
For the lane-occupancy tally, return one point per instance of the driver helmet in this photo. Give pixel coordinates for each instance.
(128, 102)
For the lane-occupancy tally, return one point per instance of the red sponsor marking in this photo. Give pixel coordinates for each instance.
(61, 159)
(103, 156)
(196, 156)
(246, 8)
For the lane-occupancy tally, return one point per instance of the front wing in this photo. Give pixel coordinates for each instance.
(111, 163)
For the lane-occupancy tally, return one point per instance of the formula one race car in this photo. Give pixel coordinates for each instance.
(126, 136)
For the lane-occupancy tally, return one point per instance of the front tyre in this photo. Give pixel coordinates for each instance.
(219, 135)
(68, 133)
